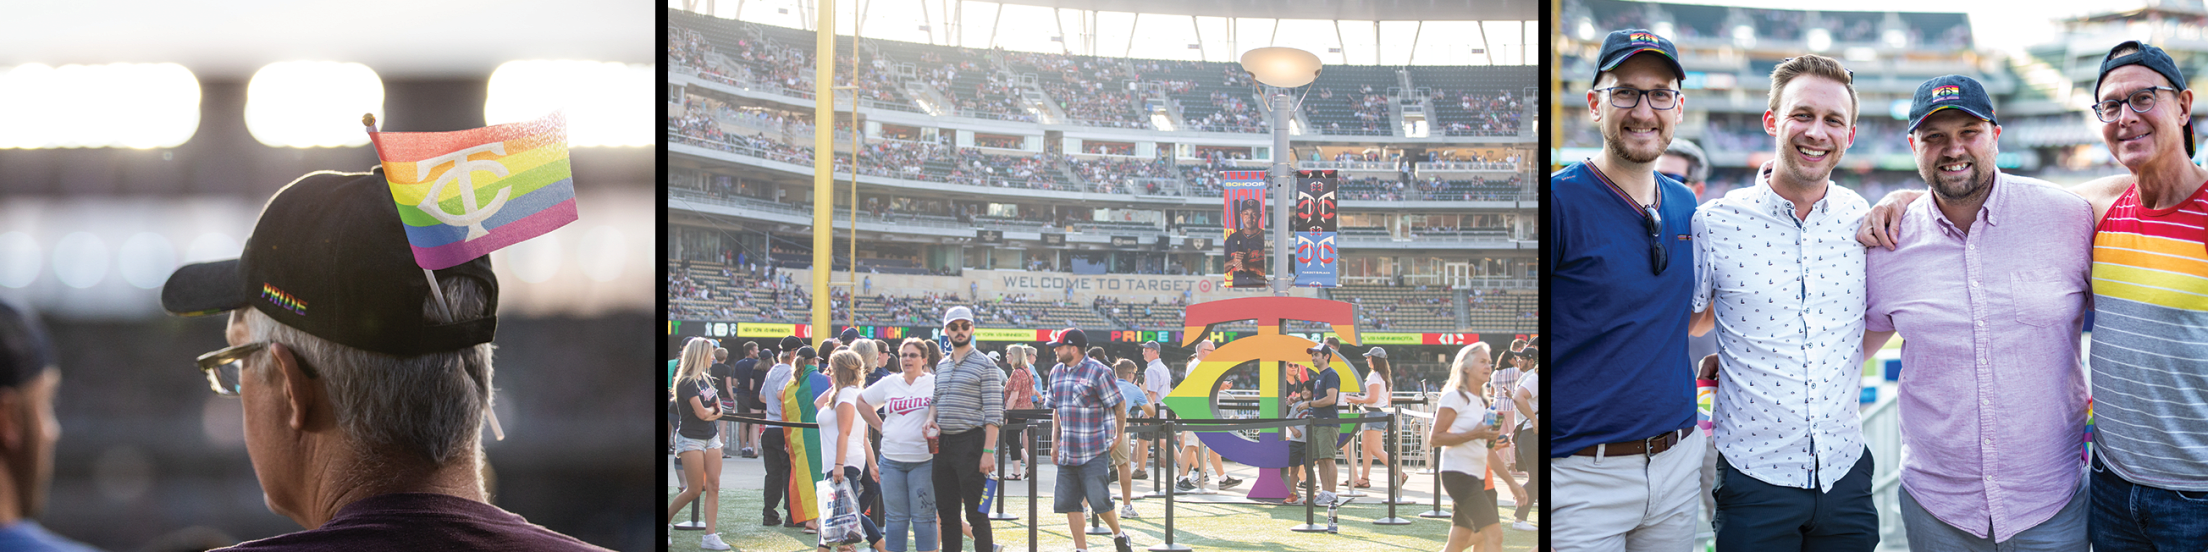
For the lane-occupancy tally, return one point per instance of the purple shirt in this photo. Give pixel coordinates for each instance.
(1993, 395)
(420, 521)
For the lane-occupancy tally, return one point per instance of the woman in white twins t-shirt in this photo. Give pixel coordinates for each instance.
(843, 446)
(908, 493)
(1464, 424)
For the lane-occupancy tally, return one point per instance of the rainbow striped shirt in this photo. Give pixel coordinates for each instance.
(2150, 336)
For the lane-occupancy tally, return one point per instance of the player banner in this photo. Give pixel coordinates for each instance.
(1314, 226)
(1245, 205)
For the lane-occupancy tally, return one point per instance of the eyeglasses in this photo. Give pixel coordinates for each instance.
(1658, 260)
(2140, 101)
(224, 366)
(1627, 98)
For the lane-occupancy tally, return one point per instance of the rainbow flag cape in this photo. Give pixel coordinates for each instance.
(466, 193)
(804, 444)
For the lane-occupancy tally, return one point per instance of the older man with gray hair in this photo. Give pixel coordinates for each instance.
(364, 388)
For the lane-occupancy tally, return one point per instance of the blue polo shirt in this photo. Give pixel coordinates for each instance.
(1617, 330)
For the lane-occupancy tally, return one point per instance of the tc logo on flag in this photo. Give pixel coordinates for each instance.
(467, 193)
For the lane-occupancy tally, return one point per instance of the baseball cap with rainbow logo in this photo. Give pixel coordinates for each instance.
(1950, 92)
(1623, 44)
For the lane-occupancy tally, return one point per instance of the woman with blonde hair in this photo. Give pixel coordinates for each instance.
(1464, 425)
(697, 442)
(1019, 394)
(843, 448)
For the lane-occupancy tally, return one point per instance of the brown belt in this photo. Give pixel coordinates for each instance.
(1650, 447)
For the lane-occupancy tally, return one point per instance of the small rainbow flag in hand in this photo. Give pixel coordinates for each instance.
(466, 193)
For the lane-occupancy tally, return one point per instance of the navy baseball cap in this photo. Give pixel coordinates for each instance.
(25, 352)
(849, 335)
(1950, 92)
(329, 256)
(2153, 58)
(1626, 43)
(1070, 336)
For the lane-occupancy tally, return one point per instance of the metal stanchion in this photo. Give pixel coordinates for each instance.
(999, 515)
(1395, 455)
(1173, 440)
(1033, 473)
(1310, 496)
(1433, 465)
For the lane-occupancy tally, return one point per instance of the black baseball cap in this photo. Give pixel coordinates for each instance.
(848, 336)
(806, 353)
(1070, 336)
(1950, 92)
(2153, 58)
(329, 256)
(791, 343)
(1622, 44)
(25, 352)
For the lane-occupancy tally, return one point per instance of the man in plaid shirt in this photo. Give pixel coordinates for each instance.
(1084, 397)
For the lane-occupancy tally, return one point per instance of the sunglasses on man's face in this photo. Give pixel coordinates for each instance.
(959, 326)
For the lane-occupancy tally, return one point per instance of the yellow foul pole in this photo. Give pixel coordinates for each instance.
(824, 155)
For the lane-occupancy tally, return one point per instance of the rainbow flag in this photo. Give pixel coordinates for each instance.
(805, 469)
(466, 193)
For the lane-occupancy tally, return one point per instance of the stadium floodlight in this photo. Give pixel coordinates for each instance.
(606, 103)
(1819, 40)
(1281, 66)
(120, 105)
(311, 104)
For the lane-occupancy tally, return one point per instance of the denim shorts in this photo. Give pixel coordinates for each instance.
(1375, 426)
(1085, 480)
(686, 444)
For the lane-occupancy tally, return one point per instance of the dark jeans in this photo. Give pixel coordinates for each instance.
(773, 449)
(1754, 515)
(2130, 516)
(958, 481)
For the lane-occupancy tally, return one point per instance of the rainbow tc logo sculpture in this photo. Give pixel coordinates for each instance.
(1272, 351)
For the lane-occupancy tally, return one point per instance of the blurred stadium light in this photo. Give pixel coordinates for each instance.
(312, 104)
(126, 105)
(607, 104)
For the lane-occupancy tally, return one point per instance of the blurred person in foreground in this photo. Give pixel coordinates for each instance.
(1624, 451)
(363, 396)
(2147, 472)
(28, 376)
(1783, 286)
(2031, 241)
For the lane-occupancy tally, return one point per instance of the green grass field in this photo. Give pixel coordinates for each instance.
(1200, 526)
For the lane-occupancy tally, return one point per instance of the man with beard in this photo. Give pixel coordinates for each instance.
(2147, 471)
(1625, 453)
(967, 411)
(1778, 276)
(2020, 250)
(1246, 247)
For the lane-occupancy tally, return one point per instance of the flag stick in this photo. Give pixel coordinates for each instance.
(437, 292)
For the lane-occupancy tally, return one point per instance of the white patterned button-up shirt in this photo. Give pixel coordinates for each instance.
(1790, 302)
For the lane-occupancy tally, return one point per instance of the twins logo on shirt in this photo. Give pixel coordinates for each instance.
(908, 405)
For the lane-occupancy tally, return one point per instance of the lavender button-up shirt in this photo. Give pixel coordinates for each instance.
(1992, 391)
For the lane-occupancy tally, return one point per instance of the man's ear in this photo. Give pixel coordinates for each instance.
(12, 434)
(300, 394)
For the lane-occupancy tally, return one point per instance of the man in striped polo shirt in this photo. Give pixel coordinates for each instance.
(968, 410)
(2150, 469)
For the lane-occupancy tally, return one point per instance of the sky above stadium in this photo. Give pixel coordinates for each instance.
(1156, 36)
(2006, 25)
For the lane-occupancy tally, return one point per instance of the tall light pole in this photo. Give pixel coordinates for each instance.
(1281, 68)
